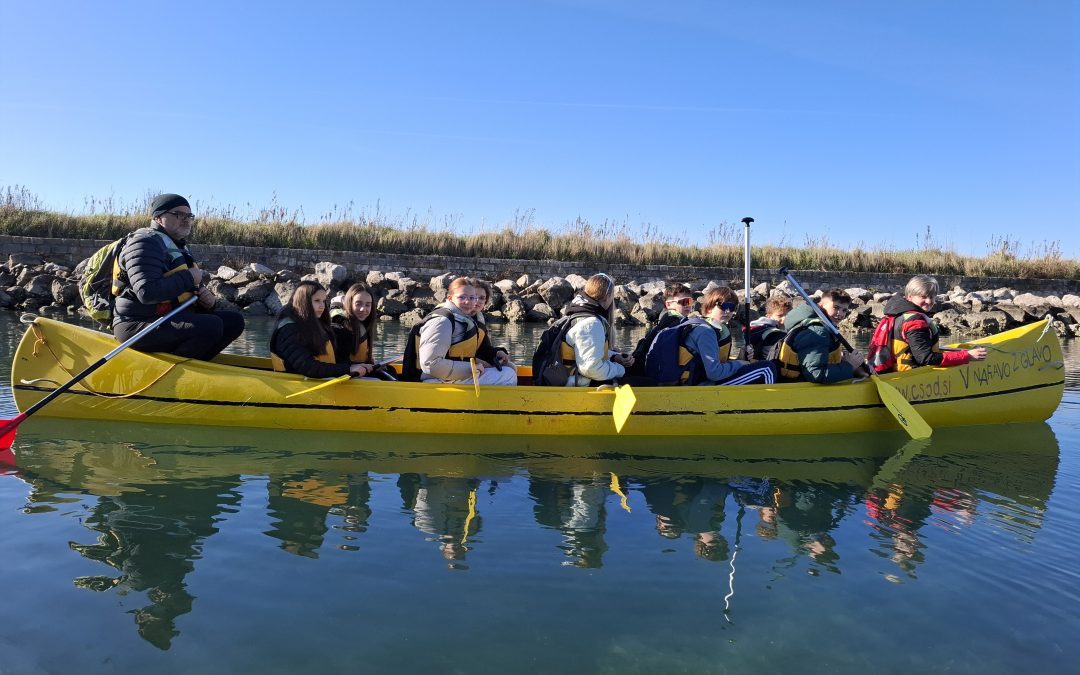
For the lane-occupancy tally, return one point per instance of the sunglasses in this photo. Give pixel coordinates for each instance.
(727, 306)
(684, 302)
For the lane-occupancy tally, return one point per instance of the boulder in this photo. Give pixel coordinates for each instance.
(1004, 294)
(53, 311)
(1068, 300)
(284, 290)
(652, 304)
(1015, 316)
(624, 318)
(531, 300)
(392, 306)
(243, 278)
(59, 270)
(515, 311)
(27, 259)
(556, 292)
(40, 286)
(257, 308)
(540, 313)
(986, 323)
(260, 270)
(506, 286)
(439, 285)
(860, 294)
(524, 281)
(273, 303)
(577, 281)
(7, 279)
(6, 301)
(222, 290)
(225, 273)
(25, 275)
(411, 317)
(65, 293)
(286, 276)
(950, 320)
(881, 297)
(331, 275)
(254, 292)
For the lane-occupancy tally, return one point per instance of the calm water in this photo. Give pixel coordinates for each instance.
(182, 549)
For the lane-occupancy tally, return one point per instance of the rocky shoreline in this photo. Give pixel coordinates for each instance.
(29, 284)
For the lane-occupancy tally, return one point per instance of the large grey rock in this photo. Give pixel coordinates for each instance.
(1015, 315)
(556, 292)
(638, 313)
(986, 323)
(515, 311)
(524, 281)
(505, 285)
(41, 286)
(225, 273)
(260, 270)
(540, 313)
(284, 290)
(1029, 299)
(950, 320)
(273, 303)
(28, 259)
(254, 292)
(58, 270)
(65, 293)
(26, 275)
(331, 275)
(286, 276)
(530, 300)
(7, 279)
(652, 303)
(624, 318)
(222, 290)
(439, 285)
(6, 301)
(860, 293)
(411, 317)
(392, 306)
(577, 281)
(1068, 300)
(257, 308)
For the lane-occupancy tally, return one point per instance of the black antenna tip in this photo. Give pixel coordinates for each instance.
(748, 220)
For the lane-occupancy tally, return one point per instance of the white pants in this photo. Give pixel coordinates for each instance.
(505, 377)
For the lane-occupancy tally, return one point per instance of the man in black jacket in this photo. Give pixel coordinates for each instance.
(157, 272)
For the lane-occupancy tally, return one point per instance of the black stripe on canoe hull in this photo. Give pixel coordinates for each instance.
(649, 413)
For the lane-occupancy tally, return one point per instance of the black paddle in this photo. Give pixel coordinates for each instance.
(746, 289)
(7, 429)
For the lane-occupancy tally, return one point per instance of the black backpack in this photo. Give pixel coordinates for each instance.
(667, 320)
(765, 341)
(410, 361)
(547, 364)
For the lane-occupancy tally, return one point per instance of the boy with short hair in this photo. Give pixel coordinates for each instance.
(678, 303)
(767, 331)
(810, 350)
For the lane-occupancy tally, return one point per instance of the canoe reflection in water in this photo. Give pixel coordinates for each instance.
(155, 502)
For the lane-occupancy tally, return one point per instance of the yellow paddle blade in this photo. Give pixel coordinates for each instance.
(624, 405)
(905, 414)
(328, 383)
(618, 490)
(475, 377)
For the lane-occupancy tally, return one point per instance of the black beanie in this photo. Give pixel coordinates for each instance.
(166, 202)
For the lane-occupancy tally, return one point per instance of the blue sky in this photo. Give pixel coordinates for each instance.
(852, 121)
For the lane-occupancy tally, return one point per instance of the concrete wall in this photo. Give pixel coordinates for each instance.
(69, 252)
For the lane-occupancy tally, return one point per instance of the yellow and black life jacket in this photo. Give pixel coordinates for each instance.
(179, 259)
(693, 368)
(279, 364)
(901, 349)
(463, 349)
(788, 360)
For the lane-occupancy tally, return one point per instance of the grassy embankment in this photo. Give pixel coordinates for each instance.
(22, 213)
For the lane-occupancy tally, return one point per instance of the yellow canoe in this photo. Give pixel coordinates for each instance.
(1021, 381)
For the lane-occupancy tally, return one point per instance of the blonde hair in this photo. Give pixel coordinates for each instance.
(922, 284)
(599, 286)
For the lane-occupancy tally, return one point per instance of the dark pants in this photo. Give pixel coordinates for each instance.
(197, 335)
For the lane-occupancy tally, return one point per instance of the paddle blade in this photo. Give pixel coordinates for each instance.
(7, 431)
(905, 414)
(624, 405)
(340, 378)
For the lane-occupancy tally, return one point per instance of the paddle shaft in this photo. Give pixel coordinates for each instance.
(97, 364)
(746, 287)
(822, 315)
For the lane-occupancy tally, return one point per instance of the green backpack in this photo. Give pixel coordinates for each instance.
(102, 281)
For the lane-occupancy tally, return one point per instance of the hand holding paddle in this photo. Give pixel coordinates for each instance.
(893, 400)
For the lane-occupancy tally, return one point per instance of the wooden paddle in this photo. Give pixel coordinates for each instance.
(7, 429)
(894, 401)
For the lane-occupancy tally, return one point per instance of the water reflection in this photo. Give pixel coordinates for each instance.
(153, 504)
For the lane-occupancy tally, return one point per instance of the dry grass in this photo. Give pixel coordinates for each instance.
(274, 226)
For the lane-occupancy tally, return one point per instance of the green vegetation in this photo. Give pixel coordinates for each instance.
(22, 213)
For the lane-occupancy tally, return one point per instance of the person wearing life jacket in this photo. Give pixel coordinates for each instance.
(767, 331)
(492, 356)
(706, 349)
(915, 335)
(678, 303)
(450, 337)
(303, 338)
(586, 349)
(354, 325)
(156, 273)
(810, 351)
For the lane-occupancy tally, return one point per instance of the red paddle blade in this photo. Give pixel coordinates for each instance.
(7, 431)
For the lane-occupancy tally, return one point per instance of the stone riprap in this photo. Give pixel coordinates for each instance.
(30, 283)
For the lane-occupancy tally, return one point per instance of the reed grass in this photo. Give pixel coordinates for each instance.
(340, 229)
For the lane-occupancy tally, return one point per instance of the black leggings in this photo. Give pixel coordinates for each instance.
(197, 335)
